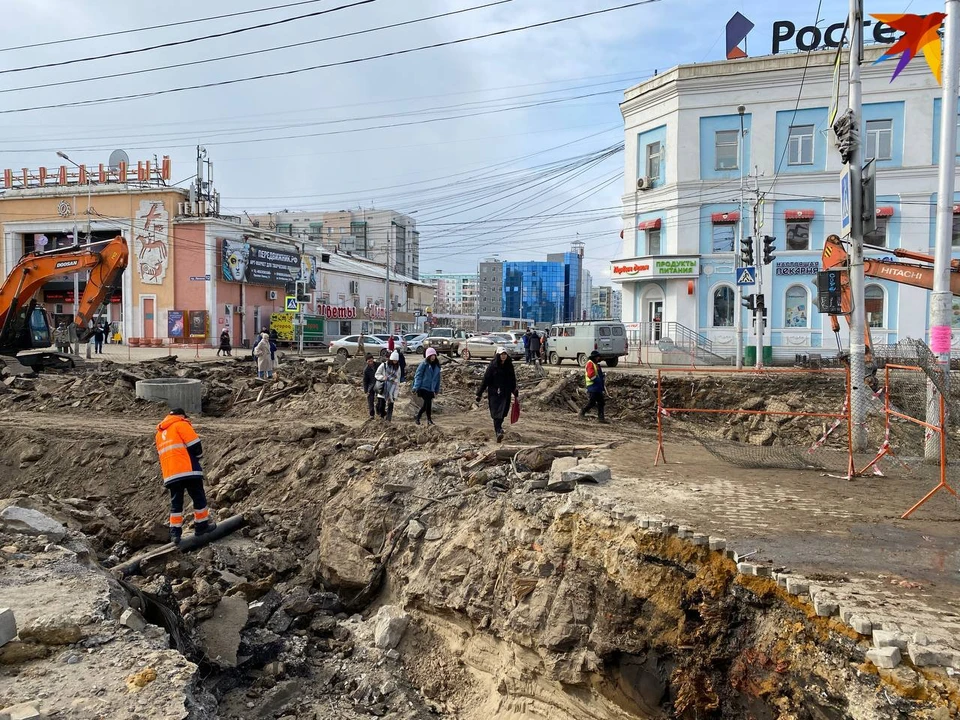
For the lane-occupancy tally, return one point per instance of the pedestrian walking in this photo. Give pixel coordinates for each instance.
(224, 343)
(388, 385)
(180, 449)
(370, 383)
(534, 346)
(98, 333)
(403, 366)
(426, 384)
(500, 382)
(60, 337)
(526, 346)
(593, 377)
(264, 356)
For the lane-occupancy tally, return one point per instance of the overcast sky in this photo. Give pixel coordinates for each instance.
(495, 145)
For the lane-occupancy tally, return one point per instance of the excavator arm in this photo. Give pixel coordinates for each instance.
(104, 261)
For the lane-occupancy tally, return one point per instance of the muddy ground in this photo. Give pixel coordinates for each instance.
(519, 602)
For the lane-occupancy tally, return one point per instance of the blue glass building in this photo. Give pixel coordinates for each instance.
(542, 292)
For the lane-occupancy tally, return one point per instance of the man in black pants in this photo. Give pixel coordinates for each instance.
(179, 448)
(370, 382)
(593, 377)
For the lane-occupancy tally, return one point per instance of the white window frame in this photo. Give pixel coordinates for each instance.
(873, 144)
(654, 174)
(806, 294)
(883, 295)
(717, 144)
(713, 305)
(797, 142)
(648, 236)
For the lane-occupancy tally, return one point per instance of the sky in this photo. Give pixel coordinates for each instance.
(504, 146)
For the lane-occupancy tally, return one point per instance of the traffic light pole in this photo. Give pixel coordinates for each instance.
(738, 318)
(857, 279)
(758, 313)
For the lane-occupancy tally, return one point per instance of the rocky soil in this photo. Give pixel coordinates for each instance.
(392, 570)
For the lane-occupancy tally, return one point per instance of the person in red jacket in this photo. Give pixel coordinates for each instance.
(179, 448)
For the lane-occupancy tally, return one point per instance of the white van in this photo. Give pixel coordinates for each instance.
(576, 340)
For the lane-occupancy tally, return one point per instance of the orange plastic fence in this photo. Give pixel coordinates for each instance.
(844, 415)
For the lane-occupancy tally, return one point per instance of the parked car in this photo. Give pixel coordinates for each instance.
(347, 346)
(398, 342)
(513, 342)
(576, 340)
(444, 340)
(485, 346)
(414, 341)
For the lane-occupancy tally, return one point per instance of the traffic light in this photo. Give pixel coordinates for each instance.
(768, 256)
(761, 303)
(746, 251)
(748, 302)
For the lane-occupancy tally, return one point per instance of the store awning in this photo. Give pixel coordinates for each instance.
(798, 214)
(886, 211)
(725, 217)
(649, 225)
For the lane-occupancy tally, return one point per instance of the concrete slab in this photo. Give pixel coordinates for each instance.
(220, 635)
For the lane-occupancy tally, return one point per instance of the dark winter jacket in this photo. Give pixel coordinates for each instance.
(369, 378)
(500, 382)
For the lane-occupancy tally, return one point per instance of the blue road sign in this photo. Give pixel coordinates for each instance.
(747, 275)
(846, 225)
(291, 304)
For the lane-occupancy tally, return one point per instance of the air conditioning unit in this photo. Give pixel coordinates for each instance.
(644, 183)
(272, 295)
(354, 287)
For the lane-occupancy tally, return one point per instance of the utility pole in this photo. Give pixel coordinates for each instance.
(758, 263)
(857, 283)
(941, 299)
(388, 279)
(738, 318)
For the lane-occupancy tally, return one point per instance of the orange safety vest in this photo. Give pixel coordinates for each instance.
(175, 435)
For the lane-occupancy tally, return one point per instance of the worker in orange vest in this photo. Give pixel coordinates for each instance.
(179, 448)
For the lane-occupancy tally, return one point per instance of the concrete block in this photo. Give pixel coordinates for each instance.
(8, 626)
(746, 568)
(174, 392)
(587, 473)
(133, 620)
(701, 540)
(825, 605)
(684, 533)
(31, 522)
(886, 657)
(889, 638)
(644, 523)
(921, 638)
(656, 526)
(718, 544)
(22, 711)
(764, 571)
(731, 554)
(926, 655)
(670, 528)
(781, 579)
(797, 586)
(861, 625)
(559, 466)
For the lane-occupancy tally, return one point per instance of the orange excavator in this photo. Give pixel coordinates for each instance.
(24, 325)
(835, 257)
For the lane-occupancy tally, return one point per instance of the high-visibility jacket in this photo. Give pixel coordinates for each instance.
(593, 377)
(179, 448)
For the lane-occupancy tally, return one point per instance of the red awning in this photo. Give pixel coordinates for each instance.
(649, 225)
(887, 211)
(956, 209)
(725, 217)
(798, 214)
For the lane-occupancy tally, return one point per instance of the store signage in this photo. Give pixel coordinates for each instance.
(244, 262)
(797, 268)
(810, 37)
(337, 312)
(66, 296)
(660, 267)
(374, 312)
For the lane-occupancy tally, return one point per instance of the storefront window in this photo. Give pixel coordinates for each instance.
(873, 304)
(795, 309)
(724, 306)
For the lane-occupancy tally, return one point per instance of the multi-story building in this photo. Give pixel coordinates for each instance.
(456, 293)
(586, 294)
(685, 153)
(543, 292)
(605, 302)
(490, 293)
(365, 233)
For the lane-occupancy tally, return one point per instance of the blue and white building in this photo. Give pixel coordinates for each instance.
(682, 189)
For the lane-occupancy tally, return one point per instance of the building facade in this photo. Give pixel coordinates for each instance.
(605, 302)
(456, 293)
(682, 217)
(381, 236)
(490, 294)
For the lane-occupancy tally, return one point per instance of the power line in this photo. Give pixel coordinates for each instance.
(157, 27)
(253, 52)
(175, 43)
(354, 61)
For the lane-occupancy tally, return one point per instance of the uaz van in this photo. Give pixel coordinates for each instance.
(576, 340)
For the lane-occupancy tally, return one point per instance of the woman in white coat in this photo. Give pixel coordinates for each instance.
(264, 361)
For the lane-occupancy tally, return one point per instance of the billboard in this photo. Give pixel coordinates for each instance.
(175, 323)
(261, 265)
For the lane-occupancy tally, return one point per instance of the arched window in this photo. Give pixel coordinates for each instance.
(796, 308)
(873, 297)
(724, 306)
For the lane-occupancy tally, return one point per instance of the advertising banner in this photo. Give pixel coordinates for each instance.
(198, 323)
(308, 271)
(236, 256)
(261, 265)
(175, 324)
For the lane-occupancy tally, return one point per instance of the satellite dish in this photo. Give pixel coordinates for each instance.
(117, 157)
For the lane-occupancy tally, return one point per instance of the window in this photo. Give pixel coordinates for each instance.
(727, 143)
(798, 235)
(653, 241)
(654, 151)
(724, 306)
(618, 331)
(795, 308)
(956, 231)
(879, 139)
(723, 237)
(604, 331)
(879, 236)
(873, 305)
(800, 145)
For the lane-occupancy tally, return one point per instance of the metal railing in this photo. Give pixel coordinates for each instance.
(652, 339)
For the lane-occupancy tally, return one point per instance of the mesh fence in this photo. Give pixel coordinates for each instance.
(777, 419)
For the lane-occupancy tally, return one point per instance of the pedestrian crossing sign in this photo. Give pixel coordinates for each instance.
(747, 275)
(292, 305)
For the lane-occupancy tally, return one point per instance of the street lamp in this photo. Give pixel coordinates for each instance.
(76, 241)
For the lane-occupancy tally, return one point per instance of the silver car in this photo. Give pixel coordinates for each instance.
(414, 341)
(485, 346)
(348, 347)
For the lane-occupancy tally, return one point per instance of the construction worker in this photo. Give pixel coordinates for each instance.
(593, 377)
(179, 448)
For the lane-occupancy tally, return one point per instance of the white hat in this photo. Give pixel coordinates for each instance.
(395, 356)
(501, 350)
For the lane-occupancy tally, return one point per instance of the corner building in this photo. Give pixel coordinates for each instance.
(676, 265)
